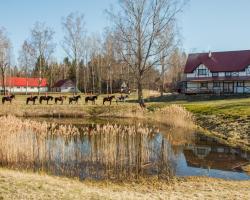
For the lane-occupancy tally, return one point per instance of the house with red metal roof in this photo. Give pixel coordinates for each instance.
(218, 72)
(24, 85)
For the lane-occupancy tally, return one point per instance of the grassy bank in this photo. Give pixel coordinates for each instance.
(226, 118)
(22, 185)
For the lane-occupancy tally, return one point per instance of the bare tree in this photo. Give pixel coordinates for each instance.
(139, 28)
(42, 42)
(74, 40)
(26, 59)
(5, 56)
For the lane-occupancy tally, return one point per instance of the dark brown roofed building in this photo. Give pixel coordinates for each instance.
(218, 72)
(66, 85)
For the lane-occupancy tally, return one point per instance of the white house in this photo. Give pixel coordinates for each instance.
(218, 72)
(24, 85)
(66, 85)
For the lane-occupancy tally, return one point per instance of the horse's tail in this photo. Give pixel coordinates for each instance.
(3, 100)
(86, 100)
(56, 100)
(40, 100)
(27, 101)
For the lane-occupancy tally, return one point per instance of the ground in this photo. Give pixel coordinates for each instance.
(23, 185)
(227, 118)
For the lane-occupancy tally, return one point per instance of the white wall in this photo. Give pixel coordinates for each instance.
(23, 89)
(246, 72)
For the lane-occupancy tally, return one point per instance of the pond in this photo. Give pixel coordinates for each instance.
(122, 149)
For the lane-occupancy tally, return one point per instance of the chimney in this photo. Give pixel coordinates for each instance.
(210, 54)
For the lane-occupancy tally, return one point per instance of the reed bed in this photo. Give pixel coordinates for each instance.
(175, 116)
(100, 151)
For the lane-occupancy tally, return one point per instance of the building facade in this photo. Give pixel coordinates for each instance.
(66, 86)
(218, 73)
(24, 85)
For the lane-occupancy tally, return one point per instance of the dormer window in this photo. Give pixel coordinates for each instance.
(202, 72)
(248, 70)
(228, 74)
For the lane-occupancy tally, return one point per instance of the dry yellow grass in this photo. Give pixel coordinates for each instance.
(18, 185)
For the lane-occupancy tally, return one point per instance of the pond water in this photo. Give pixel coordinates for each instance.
(131, 149)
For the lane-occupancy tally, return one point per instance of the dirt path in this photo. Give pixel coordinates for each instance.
(18, 185)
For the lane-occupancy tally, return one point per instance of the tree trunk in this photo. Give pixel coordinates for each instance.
(139, 89)
(162, 79)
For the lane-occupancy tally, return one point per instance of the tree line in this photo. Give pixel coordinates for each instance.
(141, 48)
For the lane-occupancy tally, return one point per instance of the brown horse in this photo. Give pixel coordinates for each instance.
(8, 98)
(90, 98)
(61, 98)
(33, 99)
(74, 98)
(45, 98)
(108, 99)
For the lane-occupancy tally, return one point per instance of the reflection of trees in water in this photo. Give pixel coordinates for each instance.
(109, 151)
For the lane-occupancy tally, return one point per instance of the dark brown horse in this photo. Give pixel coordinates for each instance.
(45, 98)
(90, 98)
(74, 98)
(62, 98)
(108, 99)
(33, 99)
(8, 98)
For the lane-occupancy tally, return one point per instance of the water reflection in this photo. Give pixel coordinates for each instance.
(109, 151)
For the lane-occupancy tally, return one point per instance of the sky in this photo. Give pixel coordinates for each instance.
(204, 25)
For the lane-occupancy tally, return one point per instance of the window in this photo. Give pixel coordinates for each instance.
(202, 72)
(216, 84)
(240, 84)
(248, 71)
(235, 74)
(228, 74)
(204, 85)
(215, 74)
(201, 151)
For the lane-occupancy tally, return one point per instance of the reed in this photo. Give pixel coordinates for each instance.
(101, 151)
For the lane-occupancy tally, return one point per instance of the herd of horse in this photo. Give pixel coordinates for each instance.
(73, 99)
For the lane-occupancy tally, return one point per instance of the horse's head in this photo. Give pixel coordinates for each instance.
(12, 96)
(51, 98)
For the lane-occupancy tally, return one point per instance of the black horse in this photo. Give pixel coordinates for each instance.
(8, 98)
(62, 98)
(121, 98)
(108, 99)
(33, 99)
(74, 98)
(91, 98)
(45, 98)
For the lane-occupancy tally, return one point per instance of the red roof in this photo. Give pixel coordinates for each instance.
(23, 82)
(219, 61)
